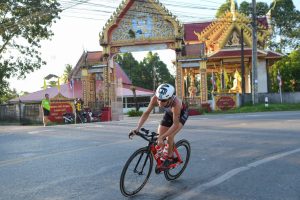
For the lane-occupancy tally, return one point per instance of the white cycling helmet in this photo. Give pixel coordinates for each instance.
(164, 91)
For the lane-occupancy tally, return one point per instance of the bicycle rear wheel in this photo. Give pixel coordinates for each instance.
(184, 149)
(136, 172)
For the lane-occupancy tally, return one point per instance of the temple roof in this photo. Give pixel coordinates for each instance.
(191, 28)
(217, 33)
(91, 58)
(193, 51)
(236, 53)
(134, 21)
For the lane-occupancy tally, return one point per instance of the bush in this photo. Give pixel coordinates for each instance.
(134, 113)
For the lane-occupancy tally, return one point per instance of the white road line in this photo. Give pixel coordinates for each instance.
(26, 159)
(37, 132)
(196, 191)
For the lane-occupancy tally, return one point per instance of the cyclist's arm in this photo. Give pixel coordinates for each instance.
(146, 114)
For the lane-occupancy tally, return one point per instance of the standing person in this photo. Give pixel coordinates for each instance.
(46, 109)
(78, 108)
(176, 114)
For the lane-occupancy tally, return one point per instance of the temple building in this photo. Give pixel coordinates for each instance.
(208, 54)
(212, 58)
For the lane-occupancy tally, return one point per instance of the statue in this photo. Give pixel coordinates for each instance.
(236, 83)
(192, 91)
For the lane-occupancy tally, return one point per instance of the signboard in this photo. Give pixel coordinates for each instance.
(225, 102)
(57, 109)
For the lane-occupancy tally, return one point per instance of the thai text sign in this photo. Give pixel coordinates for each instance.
(57, 109)
(225, 102)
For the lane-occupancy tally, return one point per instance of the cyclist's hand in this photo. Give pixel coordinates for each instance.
(132, 133)
(160, 141)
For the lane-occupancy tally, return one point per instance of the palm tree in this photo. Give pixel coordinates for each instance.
(67, 72)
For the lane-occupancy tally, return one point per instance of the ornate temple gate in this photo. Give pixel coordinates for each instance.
(138, 26)
(215, 53)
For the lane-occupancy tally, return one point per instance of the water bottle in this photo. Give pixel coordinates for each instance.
(165, 153)
(159, 152)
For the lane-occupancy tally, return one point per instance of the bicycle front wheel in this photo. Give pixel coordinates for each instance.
(136, 172)
(184, 149)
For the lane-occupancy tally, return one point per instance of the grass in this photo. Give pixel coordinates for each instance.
(261, 108)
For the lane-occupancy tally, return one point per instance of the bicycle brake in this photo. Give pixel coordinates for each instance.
(131, 134)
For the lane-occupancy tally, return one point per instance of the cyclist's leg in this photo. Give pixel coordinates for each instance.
(183, 118)
(170, 140)
(162, 129)
(165, 124)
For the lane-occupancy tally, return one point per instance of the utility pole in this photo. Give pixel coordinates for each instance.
(243, 66)
(254, 55)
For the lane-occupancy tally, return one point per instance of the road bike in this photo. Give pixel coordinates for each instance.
(138, 167)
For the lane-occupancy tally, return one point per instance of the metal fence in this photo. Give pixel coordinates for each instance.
(21, 113)
(31, 113)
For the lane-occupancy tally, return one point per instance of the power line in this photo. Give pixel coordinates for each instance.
(105, 12)
(179, 6)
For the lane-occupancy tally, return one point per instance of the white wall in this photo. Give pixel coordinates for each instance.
(125, 110)
(262, 76)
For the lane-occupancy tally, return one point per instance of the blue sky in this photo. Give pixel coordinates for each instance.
(79, 27)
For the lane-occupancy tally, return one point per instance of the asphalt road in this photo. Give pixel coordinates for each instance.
(234, 156)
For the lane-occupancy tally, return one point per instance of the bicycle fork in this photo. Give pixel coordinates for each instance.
(137, 164)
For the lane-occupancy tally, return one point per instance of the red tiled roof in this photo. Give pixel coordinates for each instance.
(272, 54)
(67, 91)
(234, 53)
(189, 29)
(93, 57)
(121, 74)
(96, 56)
(139, 91)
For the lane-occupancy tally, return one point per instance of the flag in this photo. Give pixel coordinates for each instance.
(279, 79)
(226, 79)
(58, 85)
(213, 82)
(45, 84)
(71, 84)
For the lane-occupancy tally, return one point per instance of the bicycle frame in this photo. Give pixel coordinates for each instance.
(151, 147)
(158, 160)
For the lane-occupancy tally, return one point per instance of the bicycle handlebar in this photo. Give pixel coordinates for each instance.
(145, 134)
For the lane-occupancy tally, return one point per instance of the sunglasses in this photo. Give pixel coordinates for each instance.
(163, 100)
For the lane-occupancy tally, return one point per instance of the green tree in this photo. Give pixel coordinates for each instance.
(289, 69)
(67, 72)
(130, 65)
(7, 95)
(132, 69)
(53, 83)
(245, 8)
(143, 73)
(223, 8)
(286, 26)
(262, 9)
(155, 72)
(23, 25)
